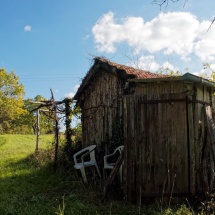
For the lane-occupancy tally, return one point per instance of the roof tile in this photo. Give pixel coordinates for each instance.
(133, 71)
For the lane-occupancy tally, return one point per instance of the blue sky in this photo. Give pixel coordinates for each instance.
(50, 44)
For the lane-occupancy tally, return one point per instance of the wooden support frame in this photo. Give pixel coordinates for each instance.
(37, 130)
(52, 107)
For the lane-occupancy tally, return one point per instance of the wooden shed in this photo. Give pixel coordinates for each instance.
(165, 124)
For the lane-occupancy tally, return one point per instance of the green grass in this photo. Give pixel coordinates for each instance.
(29, 186)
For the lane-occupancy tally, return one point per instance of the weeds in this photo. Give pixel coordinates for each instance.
(61, 208)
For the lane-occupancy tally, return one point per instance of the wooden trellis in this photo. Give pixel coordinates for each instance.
(54, 108)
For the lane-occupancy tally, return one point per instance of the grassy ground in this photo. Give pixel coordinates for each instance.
(29, 186)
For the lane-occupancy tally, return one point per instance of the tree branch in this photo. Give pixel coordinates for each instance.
(211, 24)
(160, 3)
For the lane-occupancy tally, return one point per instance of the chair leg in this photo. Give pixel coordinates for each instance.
(120, 174)
(104, 174)
(98, 171)
(83, 175)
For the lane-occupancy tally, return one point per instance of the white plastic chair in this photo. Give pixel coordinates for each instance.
(111, 165)
(90, 150)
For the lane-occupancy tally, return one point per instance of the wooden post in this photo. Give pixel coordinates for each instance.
(209, 156)
(54, 109)
(68, 131)
(211, 129)
(56, 141)
(37, 130)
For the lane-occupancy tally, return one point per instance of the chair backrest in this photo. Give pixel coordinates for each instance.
(90, 148)
(92, 152)
(83, 151)
(119, 148)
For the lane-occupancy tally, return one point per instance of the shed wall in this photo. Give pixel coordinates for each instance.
(164, 137)
(101, 106)
(166, 145)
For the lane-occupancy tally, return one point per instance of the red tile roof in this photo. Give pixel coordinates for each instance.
(107, 64)
(133, 71)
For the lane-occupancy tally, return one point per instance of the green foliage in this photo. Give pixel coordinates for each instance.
(11, 98)
(26, 122)
(170, 72)
(73, 135)
(46, 121)
(77, 132)
(76, 112)
(68, 113)
(208, 67)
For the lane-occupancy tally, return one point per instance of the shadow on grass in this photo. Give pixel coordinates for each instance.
(31, 186)
(39, 159)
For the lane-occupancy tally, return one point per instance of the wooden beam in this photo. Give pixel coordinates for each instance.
(37, 130)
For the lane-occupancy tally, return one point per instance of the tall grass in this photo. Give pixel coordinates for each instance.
(29, 186)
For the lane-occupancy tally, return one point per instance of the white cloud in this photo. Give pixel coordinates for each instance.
(207, 72)
(146, 63)
(179, 33)
(205, 46)
(149, 63)
(71, 94)
(27, 28)
(106, 33)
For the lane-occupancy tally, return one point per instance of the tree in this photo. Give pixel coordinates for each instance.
(26, 123)
(11, 98)
(46, 119)
(210, 69)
